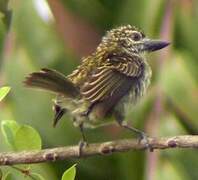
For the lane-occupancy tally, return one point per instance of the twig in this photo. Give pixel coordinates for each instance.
(105, 148)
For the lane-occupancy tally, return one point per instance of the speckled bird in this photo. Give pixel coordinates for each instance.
(112, 78)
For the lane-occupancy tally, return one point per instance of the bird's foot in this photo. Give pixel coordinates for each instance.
(142, 135)
(145, 139)
(81, 145)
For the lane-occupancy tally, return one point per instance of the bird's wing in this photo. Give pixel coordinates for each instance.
(112, 80)
(130, 66)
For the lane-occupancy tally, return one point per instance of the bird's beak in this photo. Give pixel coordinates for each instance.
(153, 45)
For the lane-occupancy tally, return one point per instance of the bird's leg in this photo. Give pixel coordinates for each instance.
(83, 143)
(142, 135)
(88, 111)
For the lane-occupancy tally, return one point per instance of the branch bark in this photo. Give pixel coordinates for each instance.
(105, 148)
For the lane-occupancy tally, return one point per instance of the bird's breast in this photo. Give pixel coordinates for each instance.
(137, 90)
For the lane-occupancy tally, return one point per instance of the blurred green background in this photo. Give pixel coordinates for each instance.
(56, 33)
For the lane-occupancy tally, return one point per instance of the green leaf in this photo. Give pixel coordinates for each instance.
(37, 176)
(9, 129)
(3, 92)
(70, 173)
(27, 138)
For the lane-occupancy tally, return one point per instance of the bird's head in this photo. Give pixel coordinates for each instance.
(132, 40)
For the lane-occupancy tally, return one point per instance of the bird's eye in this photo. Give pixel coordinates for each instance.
(136, 36)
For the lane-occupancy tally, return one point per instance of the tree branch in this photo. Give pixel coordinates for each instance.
(105, 148)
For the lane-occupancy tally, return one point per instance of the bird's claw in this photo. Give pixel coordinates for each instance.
(82, 144)
(144, 138)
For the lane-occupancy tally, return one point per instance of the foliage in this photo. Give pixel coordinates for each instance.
(3, 92)
(26, 138)
(20, 137)
(9, 129)
(70, 173)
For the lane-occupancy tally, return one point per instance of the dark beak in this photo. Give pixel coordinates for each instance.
(154, 45)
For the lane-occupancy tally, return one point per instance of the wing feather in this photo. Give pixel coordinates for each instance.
(112, 80)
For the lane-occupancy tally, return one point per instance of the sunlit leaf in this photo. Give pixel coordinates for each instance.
(27, 138)
(3, 92)
(70, 173)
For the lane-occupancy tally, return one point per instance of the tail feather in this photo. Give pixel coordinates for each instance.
(53, 81)
(59, 112)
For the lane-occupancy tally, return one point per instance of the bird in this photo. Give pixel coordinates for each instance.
(115, 76)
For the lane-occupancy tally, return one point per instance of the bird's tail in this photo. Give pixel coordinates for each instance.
(53, 81)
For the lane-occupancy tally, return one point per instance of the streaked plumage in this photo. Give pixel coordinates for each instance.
(113, 77)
